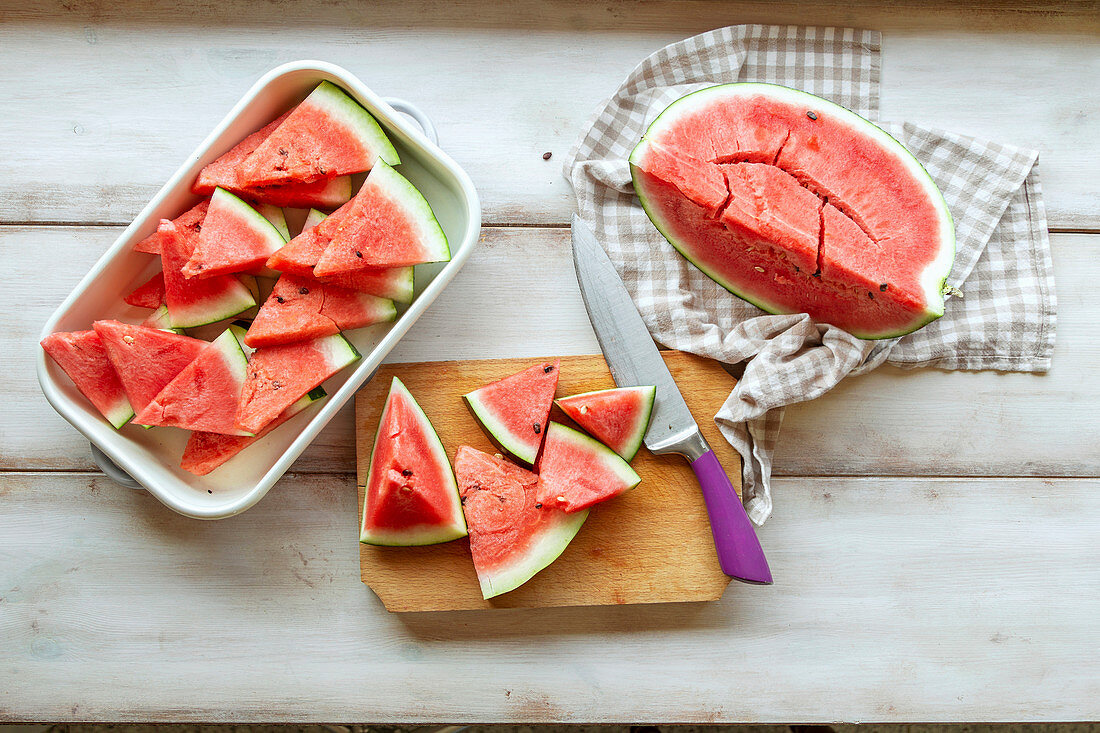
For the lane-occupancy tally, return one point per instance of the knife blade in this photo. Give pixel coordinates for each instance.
(634, 360)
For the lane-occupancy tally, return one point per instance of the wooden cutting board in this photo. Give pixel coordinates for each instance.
(650, 545)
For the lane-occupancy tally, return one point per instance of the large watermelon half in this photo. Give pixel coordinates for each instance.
(798, 205)
(410, 496)
(512, 535)
(82, 355)
(618, 418)
(515, 410)
(576, 471)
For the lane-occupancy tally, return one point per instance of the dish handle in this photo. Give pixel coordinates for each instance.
(112, 470)
(410, 109)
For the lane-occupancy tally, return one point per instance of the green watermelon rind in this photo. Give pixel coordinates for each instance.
(453, 530)
(253, 218)
(609, 458)
(498, 432)
(313, 218)
(400, 188)
(236, 301)
(934, 277)
(634, 442)
(337, 103)
(276, 217)
(550, 545)
(235, 358)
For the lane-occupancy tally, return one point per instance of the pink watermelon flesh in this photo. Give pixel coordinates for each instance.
(576, 471)
(82, 355)
(148, 295)
(302, 309)
(234, 238)
(196, 301)
(618, 418)
(279, 375)
(189, 223)
(798, 205)
(146, 359)
(410, 496)
(512, 535)
(515, 410)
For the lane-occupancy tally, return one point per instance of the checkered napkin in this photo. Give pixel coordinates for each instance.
(1004, 320)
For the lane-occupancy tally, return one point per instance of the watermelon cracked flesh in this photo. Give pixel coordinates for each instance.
(82, 356)
(146, 359)
(512, 535)
(576, 471)
(234, 238)
(515, 410)
(149, 294)
(618, 418)
(798, 205)
(196, 301)
(410, 496)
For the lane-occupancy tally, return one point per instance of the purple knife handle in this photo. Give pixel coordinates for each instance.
(739, 551)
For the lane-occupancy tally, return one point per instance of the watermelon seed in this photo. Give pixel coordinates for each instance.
(759, 269)
(548, 369)
(282, 151)
(883, 287)
(303, 291)
(538, 505)
(584, 409)
(406, 472)
(812, 115)
(870, 295)
(538, 428)
(279, 298)
(358, 254)
(198, 227)
(209, 491)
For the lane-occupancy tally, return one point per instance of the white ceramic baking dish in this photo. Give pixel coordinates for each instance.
(151, 457)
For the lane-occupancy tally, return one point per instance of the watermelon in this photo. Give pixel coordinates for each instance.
(576, 471)
(234, 238)
(512, 535)
(160, 319)
(410, 496)
(275, 215)
(146, 359)
(149, 294)
(189, 223)
(389, 224)
(515, 410)
(204, 395)
(302, 309)
(82, 355)
(618, 418)
(278, 376)
(798, 205)
(196, 301)
(206, 451)
(328, 134)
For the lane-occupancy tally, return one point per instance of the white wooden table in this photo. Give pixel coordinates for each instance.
(935, 539)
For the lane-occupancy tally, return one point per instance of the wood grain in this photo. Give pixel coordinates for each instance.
(650, 545)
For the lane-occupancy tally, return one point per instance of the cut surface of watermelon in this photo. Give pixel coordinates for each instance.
(189, 223)
(204, 395)
(328, 134)
(410, 496)
(512, 536)
(146, 359)
(235, 238)
(389, 224)
(798, 205)
(197, 301)
(515, 410)
(278, 376)
(618, 418)
(149, 294)
(303, 309)
(577, 471)
(82, 356)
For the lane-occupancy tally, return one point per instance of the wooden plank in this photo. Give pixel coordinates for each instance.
(895, 600)
(889, 422)
(151, 85)
(621, 554)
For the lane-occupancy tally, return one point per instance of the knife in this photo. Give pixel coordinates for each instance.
(634, 360)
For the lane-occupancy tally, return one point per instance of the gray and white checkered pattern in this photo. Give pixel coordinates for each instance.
(1003, 265)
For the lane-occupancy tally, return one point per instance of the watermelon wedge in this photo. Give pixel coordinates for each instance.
(278, 376)
(275, 215)
(189, 223)
(235, 238)
(515, 410)
(82, 355)
(576, 471)
(798, 205)
(146, 359)
(206, 451)
(512, 535)
(196, 301)
(389, 224)
(150, 294)
(205, 394)
(328, 134)
(410, 496)
(302, 309)
(618, 418)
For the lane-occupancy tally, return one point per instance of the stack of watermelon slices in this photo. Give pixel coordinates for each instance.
(227, 257)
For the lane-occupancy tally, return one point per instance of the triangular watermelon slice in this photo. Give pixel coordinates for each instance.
(234, 238)
(197, 301)
(82, 355)
(189, 223)
(512, 535)
(278, 376)
(205, 394)
(515, 410)
(410, 496)
(390, 224)
(576, 471)
(328, 134)
(150, 294)
(146, 359)
(618, 418)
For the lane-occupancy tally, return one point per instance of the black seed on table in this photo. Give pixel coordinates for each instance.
(538, 428)
(547, 155)
(812, 115)
(303, 291)
(883, 287)
(407, 472)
